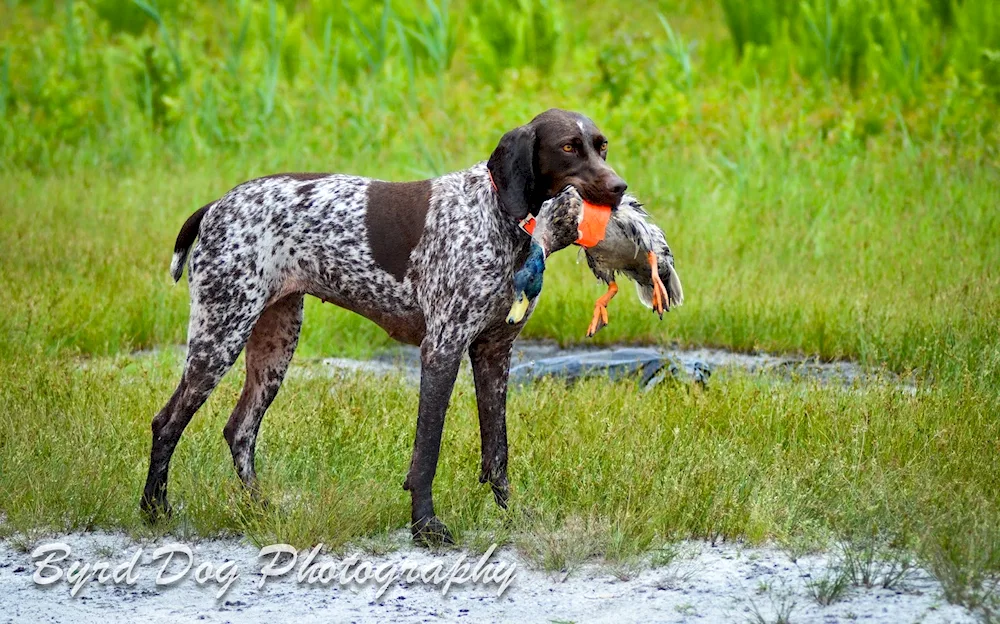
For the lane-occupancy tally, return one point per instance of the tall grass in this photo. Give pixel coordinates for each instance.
(125, 78)
(892, 45)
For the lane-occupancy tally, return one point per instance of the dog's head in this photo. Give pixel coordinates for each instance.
(533, 162)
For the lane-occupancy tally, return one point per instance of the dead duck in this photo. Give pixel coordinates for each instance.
(623, 241)
(637, 248)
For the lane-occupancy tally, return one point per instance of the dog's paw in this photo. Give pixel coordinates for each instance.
(501, 492)
(497, 478)
(429, 532)
(155, 511)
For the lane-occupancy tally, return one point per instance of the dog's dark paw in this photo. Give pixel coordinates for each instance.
(501, 492)
(497, 478)
(155, 511)
(430, 532)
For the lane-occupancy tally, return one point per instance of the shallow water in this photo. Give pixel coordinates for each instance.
(533, 360)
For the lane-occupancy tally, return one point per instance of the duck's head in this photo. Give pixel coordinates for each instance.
(527, 283)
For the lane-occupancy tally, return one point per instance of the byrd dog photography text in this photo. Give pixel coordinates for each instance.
(172, 564)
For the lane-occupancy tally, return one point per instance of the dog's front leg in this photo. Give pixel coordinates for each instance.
(490, 367)
(438, 368)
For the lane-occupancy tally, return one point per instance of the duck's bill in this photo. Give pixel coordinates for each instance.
(519, 309)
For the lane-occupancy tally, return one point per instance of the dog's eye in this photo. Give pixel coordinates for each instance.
(568, 148)
(604, 146)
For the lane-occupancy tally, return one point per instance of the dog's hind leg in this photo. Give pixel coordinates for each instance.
(216, 335)
(268, 353)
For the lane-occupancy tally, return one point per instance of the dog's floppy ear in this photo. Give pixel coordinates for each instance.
(512, 165)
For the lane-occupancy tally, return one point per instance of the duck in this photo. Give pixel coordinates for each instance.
(628, 244)
(636, 248)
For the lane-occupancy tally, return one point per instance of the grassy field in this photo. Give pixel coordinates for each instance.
(827, 190)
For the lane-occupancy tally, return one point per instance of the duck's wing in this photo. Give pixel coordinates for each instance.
(635, 226)
(632, 219)
(629, 238)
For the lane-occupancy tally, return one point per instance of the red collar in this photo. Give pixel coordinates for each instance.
(526, 224)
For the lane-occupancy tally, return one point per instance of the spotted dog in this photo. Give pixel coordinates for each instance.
(431, 262)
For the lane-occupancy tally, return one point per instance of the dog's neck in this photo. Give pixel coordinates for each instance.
(518, 231)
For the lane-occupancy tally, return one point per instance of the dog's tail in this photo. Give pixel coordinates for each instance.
(185, 238)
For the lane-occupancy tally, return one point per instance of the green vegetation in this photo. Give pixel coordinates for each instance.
(826, 172)
(752, 457)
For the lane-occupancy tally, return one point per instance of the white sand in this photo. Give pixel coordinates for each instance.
(728, 583)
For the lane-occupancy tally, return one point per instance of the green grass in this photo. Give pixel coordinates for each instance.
(828, 181)
(751, 458)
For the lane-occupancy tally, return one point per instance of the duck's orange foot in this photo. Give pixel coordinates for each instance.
(600, 320)
(661, 302)
(601, 310)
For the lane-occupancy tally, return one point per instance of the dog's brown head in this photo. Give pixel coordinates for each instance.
(533, 162)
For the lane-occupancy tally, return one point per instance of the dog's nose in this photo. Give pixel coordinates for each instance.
(618, 186)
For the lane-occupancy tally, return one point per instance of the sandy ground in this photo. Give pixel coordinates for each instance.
(702, 583)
